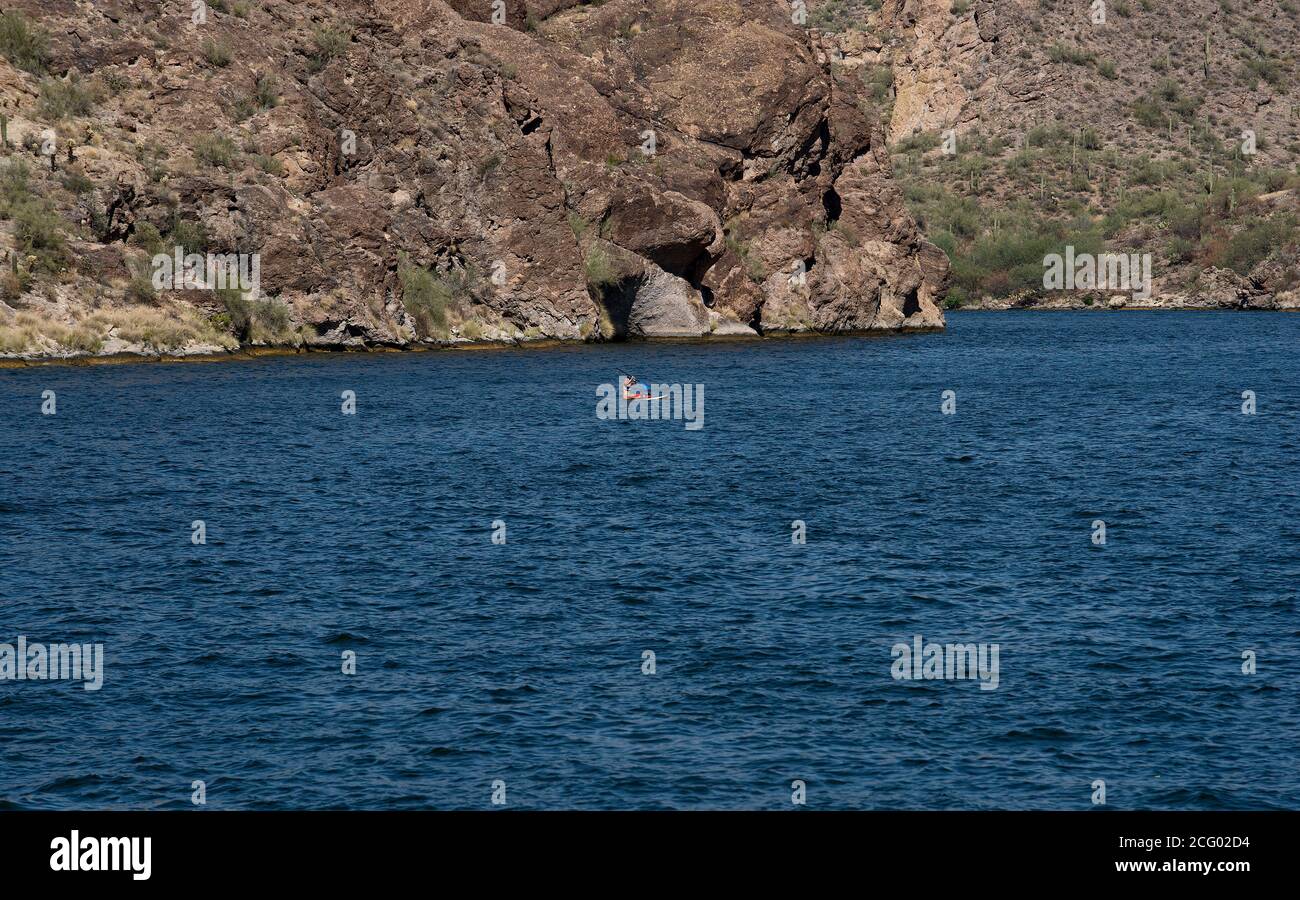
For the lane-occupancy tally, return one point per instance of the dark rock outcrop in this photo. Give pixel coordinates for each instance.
(628, 169)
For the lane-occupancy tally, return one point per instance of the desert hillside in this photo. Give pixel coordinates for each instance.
(1136, 126)
(408, 172)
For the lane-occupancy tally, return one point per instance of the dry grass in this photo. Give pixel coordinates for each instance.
(26, 330)
(157, 330)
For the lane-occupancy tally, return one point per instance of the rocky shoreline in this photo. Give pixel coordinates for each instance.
(1217, 289)
(397, 173)
(208, 354)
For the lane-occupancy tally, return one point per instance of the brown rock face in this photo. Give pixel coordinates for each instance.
(565, 171)
(1146, 127)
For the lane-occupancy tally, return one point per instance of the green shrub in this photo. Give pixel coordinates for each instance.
(272, 315)
(578, 225)
(215, 150)
(1185, 221)
(268, 164)
(1180, 250)
(38, 230)
(1185, 107)
(78, 183)
(217, 53)
(922, 141)
(1047, 135)
(189, 236)
(1255, 243)
(266, 93)
(115, 82)
(241, 109)
(1146, 171)
(945, 241)
(61, 98)
(954, 213)
(1261, 68)
(599, 269)
(23, 44)
(1012, 260)
(1148, 112)
(331, 43)
(147, 237)
(139, 288)
(832, 16)
(425, 297)
(261, 320)
(15, 186)
(1074, 55)
(239, 311)
(39, 233)
(879, 81)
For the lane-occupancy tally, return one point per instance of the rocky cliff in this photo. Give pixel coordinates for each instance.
(412, 171)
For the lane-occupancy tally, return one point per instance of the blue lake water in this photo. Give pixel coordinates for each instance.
(522, 662)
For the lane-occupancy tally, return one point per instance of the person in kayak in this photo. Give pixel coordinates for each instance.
(633, 390)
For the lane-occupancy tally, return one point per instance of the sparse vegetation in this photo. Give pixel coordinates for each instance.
(157, 330)
(147, 237)
(38, 230)
(833, 15)
(1061, 53)
(216, 52)
(922, 141)
(191, 237)
(139, 286)
(77, 183)
(266, 93)
(331, 43)
(599, 269)
(1249, 247)
(262, 321)
(268, 164)
(215, 150)
(22, 43)
(64, 97)
(425, 297)
(879, 81)
(1261, 68)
